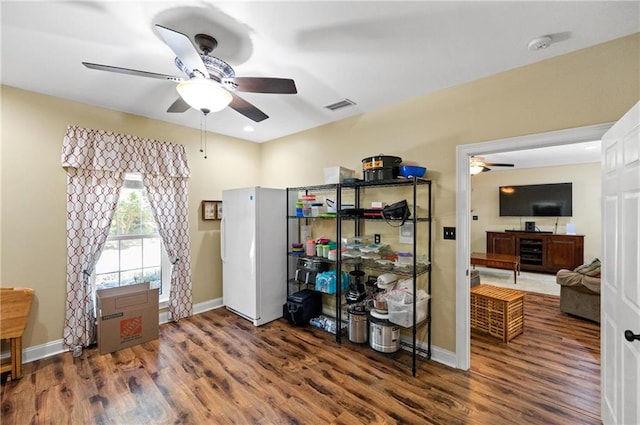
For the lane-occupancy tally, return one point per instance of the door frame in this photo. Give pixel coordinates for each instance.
(463, 212)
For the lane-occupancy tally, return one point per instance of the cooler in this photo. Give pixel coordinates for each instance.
(302, 306)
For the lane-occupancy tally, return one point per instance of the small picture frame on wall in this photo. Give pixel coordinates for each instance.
(210, 210)
(219, 210)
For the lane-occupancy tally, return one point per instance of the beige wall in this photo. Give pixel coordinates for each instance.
(592, 86)
(33, 188)
(586, 203)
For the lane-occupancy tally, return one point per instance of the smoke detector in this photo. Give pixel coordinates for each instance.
(540, 43)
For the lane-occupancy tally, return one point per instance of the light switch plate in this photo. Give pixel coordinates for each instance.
(449, 233)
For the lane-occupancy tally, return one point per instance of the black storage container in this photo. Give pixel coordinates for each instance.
(381, 167)
(302, 306)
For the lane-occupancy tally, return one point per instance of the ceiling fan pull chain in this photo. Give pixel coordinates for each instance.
(204, 119)
(201, 131)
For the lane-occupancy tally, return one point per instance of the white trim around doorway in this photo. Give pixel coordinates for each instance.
(463, 212)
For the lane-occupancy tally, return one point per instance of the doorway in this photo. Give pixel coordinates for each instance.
(463, 212)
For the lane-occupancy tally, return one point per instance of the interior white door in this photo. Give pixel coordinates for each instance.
(620, 291)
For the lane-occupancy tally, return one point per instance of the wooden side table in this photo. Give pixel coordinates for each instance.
(497, 311)
(15, 304)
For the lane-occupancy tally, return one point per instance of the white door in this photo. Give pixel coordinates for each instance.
(620, 289)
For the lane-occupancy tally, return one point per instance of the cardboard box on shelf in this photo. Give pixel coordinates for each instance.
(127, 316)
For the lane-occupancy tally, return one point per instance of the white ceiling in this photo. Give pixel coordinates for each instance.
(373, 53)
(577, 153)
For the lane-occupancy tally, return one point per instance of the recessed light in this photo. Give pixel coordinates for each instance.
(540, 43)
(248, 128)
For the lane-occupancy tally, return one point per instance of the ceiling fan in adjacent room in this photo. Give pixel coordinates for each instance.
(211, 83)
(477, 165)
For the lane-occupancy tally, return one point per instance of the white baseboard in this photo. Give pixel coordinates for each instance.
(438, 354)
(197, 309)
(446, 357)
(42, 351)
(51, 348)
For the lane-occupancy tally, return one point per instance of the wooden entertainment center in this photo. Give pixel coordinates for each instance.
(538, 251)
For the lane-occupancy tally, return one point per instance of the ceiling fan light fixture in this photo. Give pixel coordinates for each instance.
(204, 95)
(475, 169)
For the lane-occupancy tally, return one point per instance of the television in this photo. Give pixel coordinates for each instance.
(536, 200)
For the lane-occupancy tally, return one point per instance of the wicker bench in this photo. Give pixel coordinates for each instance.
(497, 311)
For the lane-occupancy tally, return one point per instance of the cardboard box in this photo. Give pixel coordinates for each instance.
(127, 316)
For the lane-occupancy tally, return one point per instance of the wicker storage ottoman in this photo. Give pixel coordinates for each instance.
(497, 311)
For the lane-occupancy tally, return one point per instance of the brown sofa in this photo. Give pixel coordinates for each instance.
(580, 293)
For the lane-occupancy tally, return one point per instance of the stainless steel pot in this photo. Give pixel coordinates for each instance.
(357, 329)
(384, 336)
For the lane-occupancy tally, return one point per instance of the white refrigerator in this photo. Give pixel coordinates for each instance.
(253, 250)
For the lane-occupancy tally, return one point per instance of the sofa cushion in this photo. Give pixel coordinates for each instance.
(592, 269)
(571, 278)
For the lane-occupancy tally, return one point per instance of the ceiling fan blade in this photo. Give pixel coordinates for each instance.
(498, 165)
(247, 109)
(179, 106)
(183, 49)
(130, 71)
(262, 85)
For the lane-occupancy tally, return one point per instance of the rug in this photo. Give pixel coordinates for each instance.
(531, 282)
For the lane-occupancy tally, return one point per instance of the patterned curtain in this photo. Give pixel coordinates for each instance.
(96, 161)
(92, 196)
(168, 199)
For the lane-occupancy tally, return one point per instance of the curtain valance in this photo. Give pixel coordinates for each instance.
(90, 149)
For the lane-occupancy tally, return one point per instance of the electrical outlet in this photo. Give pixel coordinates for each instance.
(376, 238)
(449, 233)
(474, 218)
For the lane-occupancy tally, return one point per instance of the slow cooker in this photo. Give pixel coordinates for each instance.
(384, 336)
(381, 167)
(357, 329)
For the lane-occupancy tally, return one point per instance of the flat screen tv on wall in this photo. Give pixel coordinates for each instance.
(536, 200)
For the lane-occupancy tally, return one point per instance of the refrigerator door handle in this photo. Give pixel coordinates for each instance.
(222, 239)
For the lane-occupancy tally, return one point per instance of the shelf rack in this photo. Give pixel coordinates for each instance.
(416, 270)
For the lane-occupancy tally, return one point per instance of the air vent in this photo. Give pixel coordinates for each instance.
(340, 104)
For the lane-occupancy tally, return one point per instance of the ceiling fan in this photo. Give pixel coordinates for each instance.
(211, 83)
(477, 165)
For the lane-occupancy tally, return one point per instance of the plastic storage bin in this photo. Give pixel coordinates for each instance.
(402, 314)
(337, 174)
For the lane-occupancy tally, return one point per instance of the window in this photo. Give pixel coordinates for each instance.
(134, 251)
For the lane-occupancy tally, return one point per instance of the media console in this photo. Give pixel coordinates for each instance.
(543, 232)
(538, 251)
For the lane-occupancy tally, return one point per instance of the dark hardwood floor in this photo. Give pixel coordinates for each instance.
(216, 368)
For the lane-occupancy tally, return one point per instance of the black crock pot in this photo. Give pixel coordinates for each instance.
(381, 167)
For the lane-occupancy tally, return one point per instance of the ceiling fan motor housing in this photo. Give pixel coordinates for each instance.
(217, 68)
(206, 43)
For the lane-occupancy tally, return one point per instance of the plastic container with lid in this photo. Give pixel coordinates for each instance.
(310, 248)
(405, 258)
